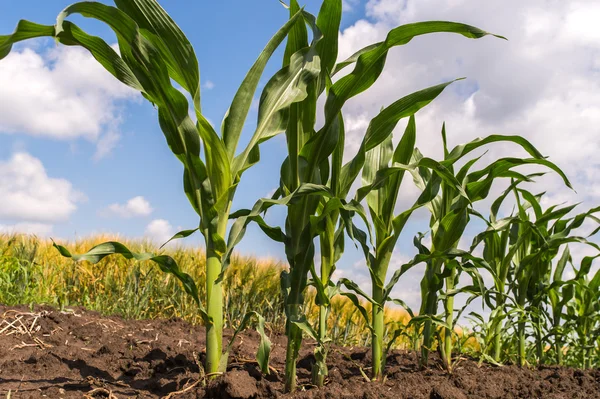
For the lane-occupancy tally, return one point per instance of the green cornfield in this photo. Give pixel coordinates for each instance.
(538, 300)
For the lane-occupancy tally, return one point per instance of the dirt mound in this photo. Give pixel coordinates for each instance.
(80, 354)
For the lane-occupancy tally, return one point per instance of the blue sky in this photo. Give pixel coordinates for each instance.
(80, 155)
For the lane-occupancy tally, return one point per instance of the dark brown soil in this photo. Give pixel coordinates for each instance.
(80, 354)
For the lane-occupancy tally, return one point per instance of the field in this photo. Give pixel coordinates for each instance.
(122, 328)
(33, 272)
(113, 317)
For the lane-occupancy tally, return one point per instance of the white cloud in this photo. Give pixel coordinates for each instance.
(105, 144)
(28, 194)
(542, 84)
(348, 5)
(136, 206)
(159, 230)
(61, 93)
(208, 85)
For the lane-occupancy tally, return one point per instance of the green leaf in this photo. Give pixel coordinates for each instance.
(328, 21)
(174, 47)
(383, 125)
(369, 65)
(181, 234)
(288, 86)
(235, 117)
(264, 347)
(307, 328)
(164, 262)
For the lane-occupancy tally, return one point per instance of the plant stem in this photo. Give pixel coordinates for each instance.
(559, 352)
(214, 295)
(538, 341)
(214, 303)
(378, 328)
(319, 371)
(497, 346)
(430, 310)
(584, 349)
(294, 336)
(293, 304)
(521, 337)
(449, 309)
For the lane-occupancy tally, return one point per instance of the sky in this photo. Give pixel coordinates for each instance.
(80, 154)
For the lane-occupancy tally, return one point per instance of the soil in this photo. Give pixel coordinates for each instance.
(46, 353)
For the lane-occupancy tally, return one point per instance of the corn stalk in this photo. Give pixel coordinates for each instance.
(153, 52)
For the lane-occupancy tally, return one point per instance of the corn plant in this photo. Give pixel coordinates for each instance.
(496, 252)
(450, 213)
(535, 284)
(536, 244)
(154, 52)
(382, 176)
(558, 296)
(314, 184)
(583, 311)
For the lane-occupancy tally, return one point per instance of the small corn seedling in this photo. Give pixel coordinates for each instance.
(154, 52)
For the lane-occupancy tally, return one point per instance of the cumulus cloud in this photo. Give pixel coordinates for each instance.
(61, 93)
(349, 5)
(159, 230)
(30, 195)
(542, 84)
(136, 206)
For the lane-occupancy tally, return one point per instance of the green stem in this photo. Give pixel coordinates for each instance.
(521, 296)
(214, 295)
(430, 310)
(559, 352)
(294, 336)
(449, 309)
(498, 339)
(538, 341)
(497, 345)
(214, 302)
(584, 350)
(293, 305)
(378, 328)
(380, 268)
(319, 370)
(327, 238)
(521, 337)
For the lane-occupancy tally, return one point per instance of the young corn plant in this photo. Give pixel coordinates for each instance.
(314, 184)
(450, 214)
(496, 252)
(558, 295)
(535, 244)
(153, 54)
(382, 177)
(583, 311)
